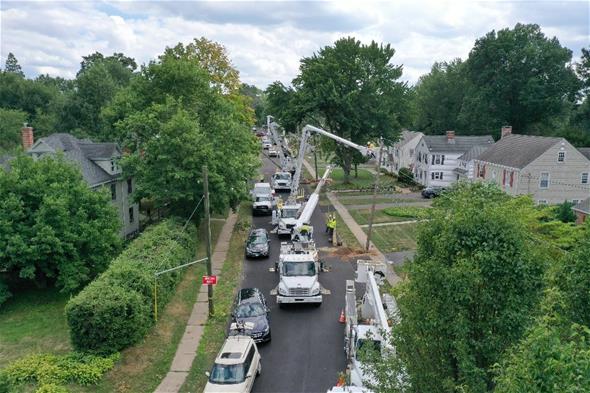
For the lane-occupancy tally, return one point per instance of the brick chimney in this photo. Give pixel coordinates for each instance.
(27, 136)
(450, 136)
(506, 130)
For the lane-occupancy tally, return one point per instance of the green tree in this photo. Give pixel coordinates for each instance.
(354, 90)
(54, 230)
(173, 121)
(11, 121)
(12, 65)
(565, 213)
(439, 97)
(281, 102)
(471, 291)
(257, 101)
(518, 77)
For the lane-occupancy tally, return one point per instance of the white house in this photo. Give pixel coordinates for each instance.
(402, 153)
(437, 157)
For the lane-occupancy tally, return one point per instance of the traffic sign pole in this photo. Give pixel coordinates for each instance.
(208, 223)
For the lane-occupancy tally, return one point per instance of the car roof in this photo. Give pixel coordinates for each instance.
(262, 185)
(234, 350)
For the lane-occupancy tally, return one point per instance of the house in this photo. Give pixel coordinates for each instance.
(582, 210)
(98, 164)
(402, 153)
(437, 157)
(548, 168)
(466, 162)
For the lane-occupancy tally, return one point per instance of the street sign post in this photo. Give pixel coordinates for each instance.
(209, 280)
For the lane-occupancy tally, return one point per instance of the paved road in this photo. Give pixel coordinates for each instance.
(306, 352)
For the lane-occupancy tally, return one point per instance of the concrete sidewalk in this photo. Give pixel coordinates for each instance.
(357, 231)
(187, 348)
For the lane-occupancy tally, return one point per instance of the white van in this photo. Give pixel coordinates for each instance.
(236, 366)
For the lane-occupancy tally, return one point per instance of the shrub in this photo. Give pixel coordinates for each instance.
(51, 371)
(405, 176)
(115, 311)
(408, 212)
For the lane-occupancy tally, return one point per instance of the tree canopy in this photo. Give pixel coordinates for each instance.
(54, 230)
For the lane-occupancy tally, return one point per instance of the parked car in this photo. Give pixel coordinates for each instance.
(432, 191)
(258, 243)
(252, 312)
(273, 152)
(236, 366)
(260, 133)
(266, 144)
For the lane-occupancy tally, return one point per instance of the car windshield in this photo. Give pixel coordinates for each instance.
(227, 373)
(249, 310)
(299, 269)
(257, 239)
(289, 213)
(262, 199)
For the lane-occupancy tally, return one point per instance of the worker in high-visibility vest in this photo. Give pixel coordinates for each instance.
(331, 226)
(328, 222)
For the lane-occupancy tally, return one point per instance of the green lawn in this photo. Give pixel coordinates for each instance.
(33, 321)
(348, 239)
(361, 216)
(223, 295)
(392, 238)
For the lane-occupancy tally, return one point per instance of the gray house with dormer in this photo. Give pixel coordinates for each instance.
(98, 164)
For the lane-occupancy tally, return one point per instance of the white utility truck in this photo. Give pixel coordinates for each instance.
(368, 318)
(263, 199)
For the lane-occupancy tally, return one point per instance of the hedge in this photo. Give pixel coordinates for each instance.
(116, 310)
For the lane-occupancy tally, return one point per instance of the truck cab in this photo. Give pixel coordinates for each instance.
(263, 199)
(281, 181)
(298, 279)
(285, 218)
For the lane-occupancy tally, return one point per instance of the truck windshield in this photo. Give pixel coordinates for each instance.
(289, 213)
(226, 374)
(283, 176)
(299, 269)
(262, 199)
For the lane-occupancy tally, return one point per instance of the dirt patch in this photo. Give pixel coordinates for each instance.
(344, 252)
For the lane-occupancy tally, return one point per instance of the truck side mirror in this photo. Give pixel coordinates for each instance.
(208, 374)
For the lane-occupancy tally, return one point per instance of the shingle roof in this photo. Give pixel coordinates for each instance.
(462, 144)
(517, 151)
(83, 152)
(474, 152)
(406, 136)
(583, 206)
(585, 151)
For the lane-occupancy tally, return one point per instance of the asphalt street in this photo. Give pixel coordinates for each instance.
(306, 351)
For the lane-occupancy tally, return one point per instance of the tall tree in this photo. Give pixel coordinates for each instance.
(282, 104)
(472, 290)
(518, 77)
(54, 230)
(11, 121)
(439, 98)
(354, 89)
(12, 65)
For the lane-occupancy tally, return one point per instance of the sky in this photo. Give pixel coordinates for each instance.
(266, 39)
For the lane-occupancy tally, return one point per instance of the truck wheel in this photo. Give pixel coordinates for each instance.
(317, 304)
(281, 306)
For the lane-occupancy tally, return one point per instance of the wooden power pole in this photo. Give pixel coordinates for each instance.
(208, 222)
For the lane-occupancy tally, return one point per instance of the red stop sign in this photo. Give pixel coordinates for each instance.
(209, 280)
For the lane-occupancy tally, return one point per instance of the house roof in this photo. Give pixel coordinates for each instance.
(462, 144)
(583, 206)
(406, 136)
(585, 151)
(474, 152)
(82, 152)
(517, 151)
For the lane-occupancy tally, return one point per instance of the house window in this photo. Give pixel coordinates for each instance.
(436, 175)
(585, 178)
(561, 156)
(113, 165)
(114, 192)
(544, 180)
(542, 201)
(575, 201)
(129, 186)
(131, 218)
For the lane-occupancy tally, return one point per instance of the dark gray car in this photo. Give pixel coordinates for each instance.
(251, 307)
(258, 243)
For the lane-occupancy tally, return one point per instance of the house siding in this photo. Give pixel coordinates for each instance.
(424, 169)
(123, 202)
(564, 177)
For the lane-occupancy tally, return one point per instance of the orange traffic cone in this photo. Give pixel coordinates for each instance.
(342, 319)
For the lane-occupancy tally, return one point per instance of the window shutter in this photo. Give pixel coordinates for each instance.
(441, 175)
(432, 175)
(433, 159)
(511, 178)
(484, 170)
(477, 170)
(442, 162)
(503, 177)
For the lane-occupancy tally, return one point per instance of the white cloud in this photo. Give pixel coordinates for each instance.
(266, 40)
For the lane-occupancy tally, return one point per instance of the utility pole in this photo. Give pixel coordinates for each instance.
(315, 157)
(208, 220)
(371, 216)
